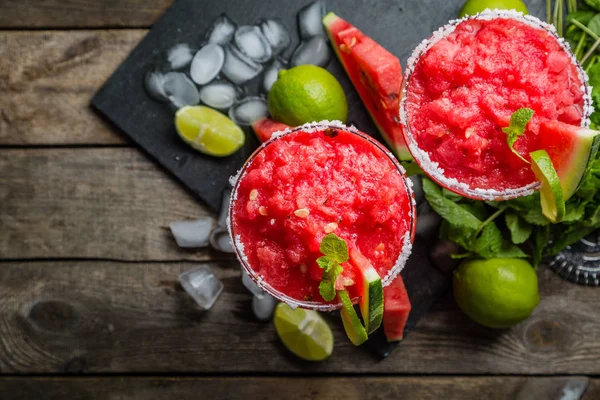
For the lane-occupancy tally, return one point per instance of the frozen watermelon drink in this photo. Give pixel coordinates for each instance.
(316, 181)
(463, 84)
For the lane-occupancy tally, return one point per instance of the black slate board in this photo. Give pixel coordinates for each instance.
(397, 25)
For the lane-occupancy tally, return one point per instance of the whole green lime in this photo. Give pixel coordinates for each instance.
(497, 293)
(472, 7)
(307, 93)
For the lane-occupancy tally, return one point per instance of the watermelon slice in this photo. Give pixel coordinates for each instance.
(377, 76)
(370, 289)
(266, 127)
(572, 150)
(396, 310)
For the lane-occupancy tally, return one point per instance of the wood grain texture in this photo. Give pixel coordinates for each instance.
(109, 317)
(80, 13)
(310, 388)
(48, 78)
(110, 203)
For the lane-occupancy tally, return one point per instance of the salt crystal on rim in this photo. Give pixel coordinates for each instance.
(433, 168)
(400, 261)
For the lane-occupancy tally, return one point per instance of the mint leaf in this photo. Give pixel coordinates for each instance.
(518, 123)
(447, 209)
(412, 168)
(326, 263)
(451, 195)
(327, 290)
(540, 240)
(520, 230)
(336, 252)
(328, 278)
(489, 242)
(575, 211)
(334, 247)
(509, 250)
(528, 208)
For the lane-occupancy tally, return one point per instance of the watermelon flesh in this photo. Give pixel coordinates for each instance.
(572, 149)
(377, 76)
(396, 309)
(266, 127)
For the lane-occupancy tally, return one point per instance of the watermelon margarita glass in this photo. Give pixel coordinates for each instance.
(305, 183)
(461, 87)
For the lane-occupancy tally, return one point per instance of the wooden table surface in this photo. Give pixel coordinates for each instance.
(90, 306)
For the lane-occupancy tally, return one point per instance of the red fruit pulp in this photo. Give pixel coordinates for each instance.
(312, 182)
(464, 89)
(396, 309)
(266, 127)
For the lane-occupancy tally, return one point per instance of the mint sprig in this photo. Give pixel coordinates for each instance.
(518, 123)
(335, 252)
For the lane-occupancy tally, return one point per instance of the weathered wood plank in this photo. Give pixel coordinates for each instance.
(316, 388)
(80, 13)
(101, 317)
(110, 203)
(48, 78)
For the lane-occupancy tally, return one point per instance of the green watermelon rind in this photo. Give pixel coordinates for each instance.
(576, 172)
(401, 152)
(371, 301)
(355, 330)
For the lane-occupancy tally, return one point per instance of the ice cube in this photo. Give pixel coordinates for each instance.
(276, 33)
(222, 30)
(238, 67)
(190, 234)
(202, 285)
(154, 84)
(314, 51)
(220, 240)
(263, 306)
(220, 94)
(270, 74)
(180, 89)
(180, 55)
(207, 63)
(250, 41)
(248, 110)
(250, 284)
(310, 20)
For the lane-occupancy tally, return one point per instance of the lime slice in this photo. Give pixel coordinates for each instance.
(354, 328)
(208, 131)
(304, 332)
(551, 194)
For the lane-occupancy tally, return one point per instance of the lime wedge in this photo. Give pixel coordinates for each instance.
(304, 332)
(551, 194)
(354, 328)
(208, 131)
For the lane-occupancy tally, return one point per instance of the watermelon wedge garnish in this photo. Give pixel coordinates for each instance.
(396, 310)
(370, 290)
(572, 150)
(377, 76)
(266, 127)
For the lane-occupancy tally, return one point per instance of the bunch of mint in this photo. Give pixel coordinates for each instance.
(514, 228)
(581, 28)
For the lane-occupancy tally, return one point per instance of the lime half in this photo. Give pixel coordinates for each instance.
(551, 194)
(304, 332)
(208, 131)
